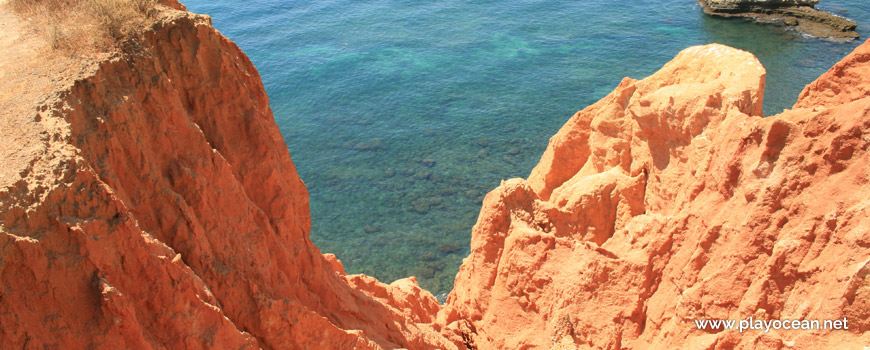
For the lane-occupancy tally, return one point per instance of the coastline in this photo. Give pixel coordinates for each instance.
(157, 206)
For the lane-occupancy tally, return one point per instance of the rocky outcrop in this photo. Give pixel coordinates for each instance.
(740, 5)
(148, 201)
(798, 14)
(672, 200)
(156, 206)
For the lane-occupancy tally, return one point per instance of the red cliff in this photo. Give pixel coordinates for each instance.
(156, 205)
(148, 200)
(672, 200)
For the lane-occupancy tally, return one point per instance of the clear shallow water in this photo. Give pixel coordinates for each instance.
(401, 115)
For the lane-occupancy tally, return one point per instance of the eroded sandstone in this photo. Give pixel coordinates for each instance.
(155, 205)
(160, 208)
(672, 200)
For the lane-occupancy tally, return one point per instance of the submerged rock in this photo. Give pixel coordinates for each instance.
(448, 248)
(156, 206)
(428, 162)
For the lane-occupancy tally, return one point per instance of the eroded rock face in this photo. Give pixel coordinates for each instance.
(843, 83)
(801, 15)
(159, 208)
(671, 200)
(162, 209)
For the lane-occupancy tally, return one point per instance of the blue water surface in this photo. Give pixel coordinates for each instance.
(401, 115)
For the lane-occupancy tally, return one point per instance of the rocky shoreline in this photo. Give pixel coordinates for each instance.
(148, 201)
(800, 15)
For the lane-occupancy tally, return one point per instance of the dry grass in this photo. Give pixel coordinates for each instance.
(80, 27)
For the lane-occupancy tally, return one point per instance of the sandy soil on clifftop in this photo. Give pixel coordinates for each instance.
(30, 74)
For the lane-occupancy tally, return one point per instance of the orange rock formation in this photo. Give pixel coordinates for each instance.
(672, 200)
(156, 206)
(159, 208)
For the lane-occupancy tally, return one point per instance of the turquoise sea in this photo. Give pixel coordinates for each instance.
(401, 115)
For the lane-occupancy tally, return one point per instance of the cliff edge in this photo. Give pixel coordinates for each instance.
(672, 200)
(148, 200)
